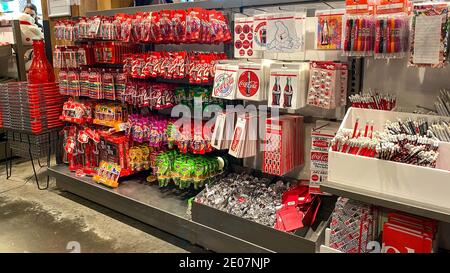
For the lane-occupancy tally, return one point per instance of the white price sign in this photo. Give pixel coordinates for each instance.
(58, 8)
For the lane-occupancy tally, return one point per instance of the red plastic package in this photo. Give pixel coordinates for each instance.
(165, 21)
(137, 26)
(155, 30)
(137, 65)
(146, 24)
(125, 29)
(193, 25)
(179, 26)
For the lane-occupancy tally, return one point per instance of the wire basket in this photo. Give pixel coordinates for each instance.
(39, 145)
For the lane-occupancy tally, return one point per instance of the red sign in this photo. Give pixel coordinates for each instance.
(238, 29)
(246, 29)
(248, 83)
(320, 143)
(319, 156)
(246, 44)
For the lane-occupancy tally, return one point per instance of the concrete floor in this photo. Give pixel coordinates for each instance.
(54, 221)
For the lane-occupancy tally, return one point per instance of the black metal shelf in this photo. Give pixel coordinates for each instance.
(154, 207)
(166, 210)
(388, 201)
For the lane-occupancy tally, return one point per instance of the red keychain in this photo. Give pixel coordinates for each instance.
(179, 26)
(193, 25)
(125, 28)
(155, 29)
(137, 27)
(146, 28)
(165, 21)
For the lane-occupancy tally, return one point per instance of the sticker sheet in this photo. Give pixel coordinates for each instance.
(286, 32)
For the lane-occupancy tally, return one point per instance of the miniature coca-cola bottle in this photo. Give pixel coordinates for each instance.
(288, 92)
(249, 84)
(276, 92)
(264, 36)
(41, 71)
(325, 38)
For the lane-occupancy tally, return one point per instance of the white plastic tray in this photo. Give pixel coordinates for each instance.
(427, 185)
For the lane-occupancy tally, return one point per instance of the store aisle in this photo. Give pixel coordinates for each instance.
(54, 221)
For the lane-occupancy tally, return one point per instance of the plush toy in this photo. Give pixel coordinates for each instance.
(30, 31)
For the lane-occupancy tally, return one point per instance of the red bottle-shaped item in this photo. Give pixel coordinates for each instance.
(276, 92)
(41, 71)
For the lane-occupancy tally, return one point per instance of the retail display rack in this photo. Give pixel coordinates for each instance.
(166, 209)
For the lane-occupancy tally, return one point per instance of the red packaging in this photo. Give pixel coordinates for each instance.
(397, 239)
(137, 26)
(193, 25)
(146, 24)
(137, 65)
(289, 218)
(165, 24)
(179, 26)
(125, 28)
(155, 29)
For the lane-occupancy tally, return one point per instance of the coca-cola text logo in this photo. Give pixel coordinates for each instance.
(223, 84)
(248, 83)
(320, 143)
(319, 157)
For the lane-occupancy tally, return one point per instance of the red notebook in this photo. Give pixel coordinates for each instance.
(289, 218)
(414, 222)
(398, 239)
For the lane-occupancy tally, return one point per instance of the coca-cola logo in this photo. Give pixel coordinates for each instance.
(320, 143)
(238, 29)
(238, 44)
(248, 83)
(319, 157)
(315, 178)
(246, 44)
(223, 84)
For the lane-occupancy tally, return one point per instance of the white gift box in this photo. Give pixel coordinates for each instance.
(419, 184)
